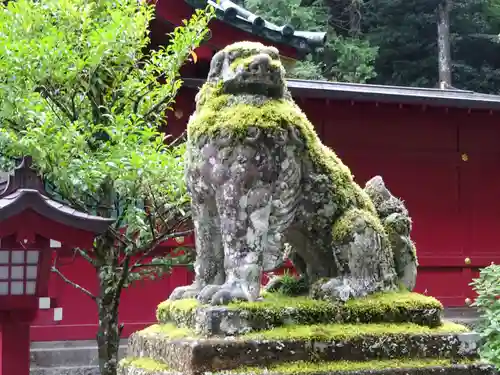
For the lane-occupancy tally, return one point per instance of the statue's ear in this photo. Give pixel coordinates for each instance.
(216, 66)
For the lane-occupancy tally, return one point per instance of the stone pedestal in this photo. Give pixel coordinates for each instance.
(390, 333)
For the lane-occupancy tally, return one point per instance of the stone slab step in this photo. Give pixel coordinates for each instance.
(67, 344)
(133, 366)
(276, 311)
(65, 370)
(214, 354)
(76, 355)
(468, 316)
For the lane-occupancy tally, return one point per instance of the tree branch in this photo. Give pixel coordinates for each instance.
(157, 265)
(73, 105)
(167, 99)
(118, 236)
(148, 249)
(72, 283)
(180, 139)
(121, 282)
(86, 256)
(47, 94)
(14, 124)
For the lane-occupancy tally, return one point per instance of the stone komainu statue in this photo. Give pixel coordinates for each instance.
(259, 177)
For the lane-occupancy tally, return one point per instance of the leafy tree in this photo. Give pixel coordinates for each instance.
(81, 93)
(346, 57)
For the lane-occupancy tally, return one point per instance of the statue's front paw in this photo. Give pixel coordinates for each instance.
(222, 294)
(185, 292)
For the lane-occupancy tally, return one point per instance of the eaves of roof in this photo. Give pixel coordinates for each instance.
(389, 94)
(239, 17)
(22, 189)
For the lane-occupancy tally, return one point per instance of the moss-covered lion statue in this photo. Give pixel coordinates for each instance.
(260, 179)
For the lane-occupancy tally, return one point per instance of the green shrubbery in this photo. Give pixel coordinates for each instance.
(487, 287)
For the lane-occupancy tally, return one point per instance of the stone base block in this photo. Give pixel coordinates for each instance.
(319, 343)
(276, 311)
(134, 366)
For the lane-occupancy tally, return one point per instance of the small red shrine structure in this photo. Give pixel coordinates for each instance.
(29, 219)
(438, 149)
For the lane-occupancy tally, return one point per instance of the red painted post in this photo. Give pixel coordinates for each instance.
(14, 346)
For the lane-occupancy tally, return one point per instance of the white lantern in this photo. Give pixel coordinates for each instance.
(18, 272)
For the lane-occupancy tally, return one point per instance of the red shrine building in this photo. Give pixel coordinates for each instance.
(437, 149)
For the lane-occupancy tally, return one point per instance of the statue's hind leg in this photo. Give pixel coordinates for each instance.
(364, 256)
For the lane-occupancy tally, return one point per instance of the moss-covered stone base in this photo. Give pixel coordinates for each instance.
(139, 366)
(278, 310)
(184, 351)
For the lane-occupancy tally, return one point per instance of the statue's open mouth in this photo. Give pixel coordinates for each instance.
(257, 76)
(270, 89)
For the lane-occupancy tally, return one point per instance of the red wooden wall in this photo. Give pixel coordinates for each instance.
(137, 306)
(442, 163)
(419, 152)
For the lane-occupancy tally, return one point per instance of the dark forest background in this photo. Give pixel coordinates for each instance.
(395, 42)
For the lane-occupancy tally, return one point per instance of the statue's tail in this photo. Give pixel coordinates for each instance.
(397, 223)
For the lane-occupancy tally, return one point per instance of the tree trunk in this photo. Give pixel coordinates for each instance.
(109, 331)
(444, 54)
(355, 18)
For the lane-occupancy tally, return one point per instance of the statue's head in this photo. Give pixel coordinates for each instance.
(248, 68)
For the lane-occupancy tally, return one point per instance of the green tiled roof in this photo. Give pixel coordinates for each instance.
(239, 17)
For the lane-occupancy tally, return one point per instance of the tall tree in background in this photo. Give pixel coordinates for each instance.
(81, 93)
(444, 50)
(346, 57)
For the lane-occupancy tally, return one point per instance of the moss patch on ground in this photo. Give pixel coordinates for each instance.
(365, 310)
(393, 301)
(180, 312)
(318, 367)
(319, 332)
(168, 330)
(334, 332)
(147, 364)
(276, 309)
(301, 367)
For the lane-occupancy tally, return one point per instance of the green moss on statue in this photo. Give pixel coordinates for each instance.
(245, 62)
(343, 228)
(249, 47)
